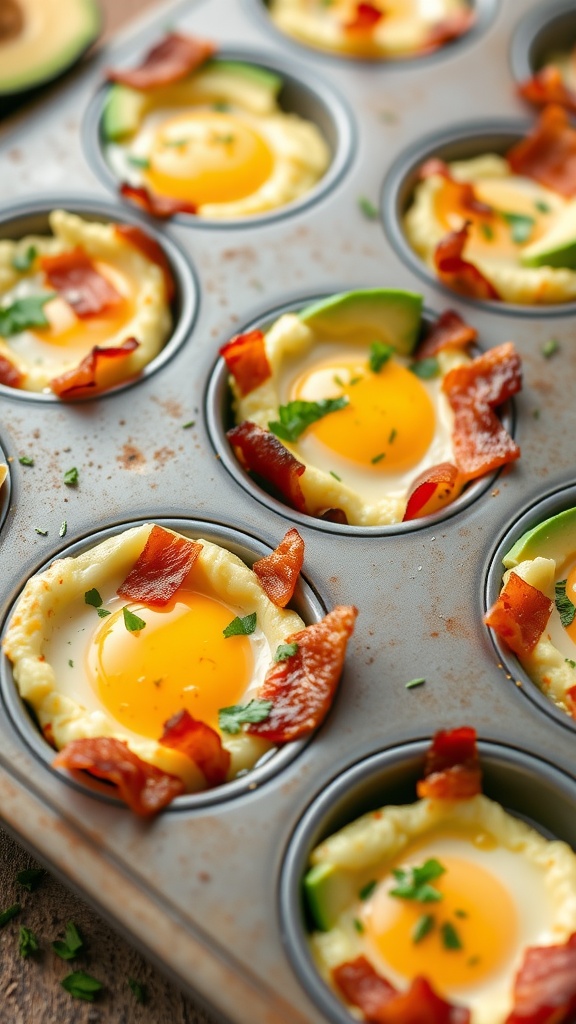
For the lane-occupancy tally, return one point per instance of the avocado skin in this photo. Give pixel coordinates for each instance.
(391, 315)
(554, 538)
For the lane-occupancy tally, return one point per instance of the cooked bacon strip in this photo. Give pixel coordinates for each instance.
(361, 985)
(200, 743)
(432, 490)
(91, 374)
(145, 788)
(366, 17)
(481, 444)
(333, 515)
(301, 688)
(262, 453)
(520, 614)
(458, 273)
(161, 568)
(548, 86)
(448, 29)
(548, 153)
(420, 1004)
(449, 331)
(73, 275)
(279, 571)
(452, 769)
(170, 60)
(459, 196)
(545, 986)
(153, 251)
(157, 206)
(570, 699)
(10, 375)
(246, 358)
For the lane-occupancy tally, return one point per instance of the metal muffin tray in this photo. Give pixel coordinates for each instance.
(210, 888)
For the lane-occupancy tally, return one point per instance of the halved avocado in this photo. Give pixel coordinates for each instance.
(328, 891)
(40, 39)
(557, 248)
(383, 314)
(554, 538)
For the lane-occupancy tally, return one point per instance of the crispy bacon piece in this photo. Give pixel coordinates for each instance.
(279, 571)
(458, 273)
(162, 207)
(449, 331)
(173, 58)
(200, 743)
(262, 453)
(545, 986)
(481, 443)
(333, 515)
(365, 19)
(10, 375)
(451, 769)
(161, 567)
(246, 358)
(548, 153)
(381, 1003)
(302, 687)
(362, 986)
(520, 614)
(145, 788)
(548, 86)
(97, 371)
(459, 196)
(432, 490)
(570, 699)
(138, 239)
(73, 275)
(448, 29)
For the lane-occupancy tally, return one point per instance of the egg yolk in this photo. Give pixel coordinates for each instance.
(208, 157)
(389, 421)
(180, 659)
(473, 933)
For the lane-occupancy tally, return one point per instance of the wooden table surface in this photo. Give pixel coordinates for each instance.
(30, 990)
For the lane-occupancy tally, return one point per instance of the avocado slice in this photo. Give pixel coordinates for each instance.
(554, 538)
(328, 892)
(385, 314)
(124, 109)
(35, 49)
(557, 248)
(250, 72)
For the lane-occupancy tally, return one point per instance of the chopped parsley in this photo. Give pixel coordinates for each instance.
(71, 477)
(82, 986)
(190, 423)
(23, 260)
(296, 416)
(450, 937)
(414, 883)
(103, 612)
(380, 353)
(26, 460)
(461, 913)
(413, 683)
(43, 533)
(335, 475)
(93, 598)
(378, 458)
(132, 622)
(367, 207)
(9, 913)
(566, 608)
(28, 943)
(24, 313)
(63, 528)
(367, 890)
(241, 626)
(358, 925)
(393, 435)
(71, 945)
(284, 651)
(569, 661)
(71, 663)
(520, 225)
(139, 161)
(550, 347)
(30, 878)
(541, 206)
(423, 927)
(426, 369)
(354, 380)
(230, 719)
(138, 990)
(487, 231)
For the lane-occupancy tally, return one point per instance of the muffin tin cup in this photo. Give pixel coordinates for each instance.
(528, 788)
(550, 28)
(219, 418)
(31, 217)
(461, 142)
(302, 93)
(541, 510)
(306, 602)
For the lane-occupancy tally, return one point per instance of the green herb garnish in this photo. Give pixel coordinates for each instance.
(393, 435)
(138, 990)
(139, 161)
(43, 533)
(241, 626)
(367, 890)
(354, 380)
(414, 883)
(461, 913)
(72, 943)
(103, 612)
(230, 719)
(542, 206)
(190, 423)
(9, 913)
(380, 353)
(82, 986)
(550, 347)
(296, 416)
(520, 225)
(367, 207)
(378, 458)
(24, 313)
(71, 663)
(132, 622)
(284, 651)
(335, 475)
(28, 942)
(566, 609)
(426, 369)
(487, 231)
(569, 661)
(413, 683)
(358, 925)
(450, 937)
(423, 927)
(63, 528)
(26, 460)
(24, 260)
(30, 878)
(71, 477)
(93, 598)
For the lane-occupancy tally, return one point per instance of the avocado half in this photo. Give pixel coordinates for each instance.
(553, 538)
(386, 314)
(39, 40)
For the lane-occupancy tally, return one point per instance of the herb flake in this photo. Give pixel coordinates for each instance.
(26, 460)
(138, 161)
(92, 597)
(132, 622)
(284, 651)
(550, 348)
(423, 927)
(9, 913)
(231, 718)
(366, 206)
(30, 878)
(414, 883)
(541, 206)
(63, 528)
(450, 937)
(566, 609)
(40, 531)
(358, 925)
(24, 313)
(378, 458)
(71, 945)
(335, 475)
(28, 943)
(241, 626)
(367, 890)
(138, 990)
(520, 225)
(413, 683)
(71, 477)
(296, 416)
(426, 369)
(82, 986)
(23, 261)
(488, 231)
(380, 353)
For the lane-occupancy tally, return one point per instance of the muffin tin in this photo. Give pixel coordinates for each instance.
(209, 888)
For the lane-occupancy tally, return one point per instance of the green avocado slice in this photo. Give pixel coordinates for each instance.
(383, 314)
(557, 248)
(554, 538)
(328, 892)
(123, 111)
(256, 75)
